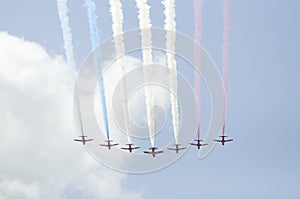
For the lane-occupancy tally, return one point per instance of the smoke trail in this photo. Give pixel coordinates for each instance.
(92, 17)
(198, 35)
(66, 30)
(145, 24)
(117, 28)
(68, 46)
(170, 25)
(226, 27)
(79, 114)
(94, 36)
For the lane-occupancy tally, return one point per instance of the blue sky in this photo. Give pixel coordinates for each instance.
(263, 92)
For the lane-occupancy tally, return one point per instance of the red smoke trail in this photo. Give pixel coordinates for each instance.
(226, 29)
(198, 35)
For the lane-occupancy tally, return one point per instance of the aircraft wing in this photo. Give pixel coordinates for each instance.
(153, 152)
(229, 140)
(218, 140)
(177, 149)
(89, 140)
(132, 148)
(77, 140)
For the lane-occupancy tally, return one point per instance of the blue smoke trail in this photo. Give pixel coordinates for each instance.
(94, 36)
(91, 9)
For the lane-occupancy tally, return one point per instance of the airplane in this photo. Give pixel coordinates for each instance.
(177, 148)
(198, 144)
(130, 148)
(153, 152)
(83, 139)
(109, 145)
(222, 140)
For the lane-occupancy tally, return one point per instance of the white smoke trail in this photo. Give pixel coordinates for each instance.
(145, 25)
(170, 26)
(197, 37)
(117, 28)
(67, 35)
(68, 46)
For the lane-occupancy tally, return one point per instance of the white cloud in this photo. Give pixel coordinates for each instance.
(17, 189)
(38, 157)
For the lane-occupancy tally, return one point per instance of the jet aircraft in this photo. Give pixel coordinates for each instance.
(177, 148)
(109, 144)
(130, 148)
(223, 139)
(153, 151)
(83, 139)
(198, 143)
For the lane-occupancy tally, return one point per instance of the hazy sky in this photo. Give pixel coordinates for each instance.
(263, 101)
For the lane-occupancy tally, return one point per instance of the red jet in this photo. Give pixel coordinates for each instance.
(130, 148)
(223, 140)
(109, 145)
(177, 148)
(83, 140)
(198, 143)
(153, 152)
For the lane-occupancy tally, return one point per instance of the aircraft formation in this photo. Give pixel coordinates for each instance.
(143, 14)
(153, 150)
